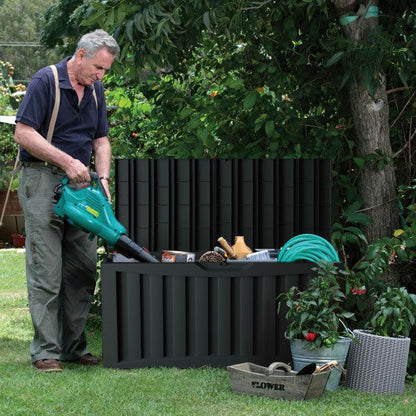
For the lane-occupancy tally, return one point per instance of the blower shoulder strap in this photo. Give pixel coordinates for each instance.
(57, 102)
(56, 105)
(95, 97)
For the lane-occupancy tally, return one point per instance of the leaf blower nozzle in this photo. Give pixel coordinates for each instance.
(129, 248)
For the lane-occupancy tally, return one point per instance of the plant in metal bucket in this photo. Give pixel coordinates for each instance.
(314, 314)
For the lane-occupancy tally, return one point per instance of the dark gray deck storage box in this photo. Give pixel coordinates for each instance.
(189, 315)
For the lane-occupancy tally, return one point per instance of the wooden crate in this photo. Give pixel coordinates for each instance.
(277, 381)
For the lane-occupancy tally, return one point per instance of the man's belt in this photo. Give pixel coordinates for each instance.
(43, 165)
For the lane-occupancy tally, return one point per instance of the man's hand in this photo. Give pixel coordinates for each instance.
(77, 172)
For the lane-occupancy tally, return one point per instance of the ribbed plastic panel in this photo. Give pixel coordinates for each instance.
(188, 204)
(195, 314)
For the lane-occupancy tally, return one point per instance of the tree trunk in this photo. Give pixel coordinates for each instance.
(371, 120)
(377, 187)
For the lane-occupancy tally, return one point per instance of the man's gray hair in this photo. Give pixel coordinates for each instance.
(92, 42)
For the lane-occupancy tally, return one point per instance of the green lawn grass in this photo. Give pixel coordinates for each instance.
(152, 391)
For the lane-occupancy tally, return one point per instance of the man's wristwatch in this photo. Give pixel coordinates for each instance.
(105, 178)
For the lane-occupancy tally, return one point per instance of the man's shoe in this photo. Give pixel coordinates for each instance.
(48, 365)
(87, 359)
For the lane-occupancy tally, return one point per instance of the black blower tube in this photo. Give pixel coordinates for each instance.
(130, 249)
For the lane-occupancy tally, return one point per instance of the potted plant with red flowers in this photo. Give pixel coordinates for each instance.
(315, 321)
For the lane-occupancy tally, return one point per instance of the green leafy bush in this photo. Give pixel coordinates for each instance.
(7, 155)
(216, 106)
(394, 313)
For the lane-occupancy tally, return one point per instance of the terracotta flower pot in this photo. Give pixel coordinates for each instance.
(19, 240)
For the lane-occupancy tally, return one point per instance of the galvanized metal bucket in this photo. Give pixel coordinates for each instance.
(301, 356)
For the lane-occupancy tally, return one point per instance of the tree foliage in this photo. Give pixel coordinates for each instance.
(239, 78)
(231, 69)
(292, 49)
(61, 24)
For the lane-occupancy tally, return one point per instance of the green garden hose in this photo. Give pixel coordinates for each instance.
(309, 247)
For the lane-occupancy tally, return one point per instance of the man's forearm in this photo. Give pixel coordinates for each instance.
(102, 156)
(102, 159)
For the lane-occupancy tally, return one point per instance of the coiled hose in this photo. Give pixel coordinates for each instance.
(309, 247)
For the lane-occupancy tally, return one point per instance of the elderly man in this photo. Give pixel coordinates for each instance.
(60, 259)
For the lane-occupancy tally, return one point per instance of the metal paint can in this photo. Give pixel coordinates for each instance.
(173, 256)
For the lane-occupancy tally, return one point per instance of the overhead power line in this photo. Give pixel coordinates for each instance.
(21, 44)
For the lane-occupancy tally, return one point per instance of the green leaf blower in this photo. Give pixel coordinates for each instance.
(89, 210)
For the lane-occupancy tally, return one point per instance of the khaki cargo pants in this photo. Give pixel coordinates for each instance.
(60, 270)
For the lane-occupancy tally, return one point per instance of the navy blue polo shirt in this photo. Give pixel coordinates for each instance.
(76, 126)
